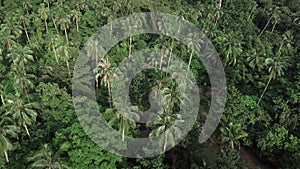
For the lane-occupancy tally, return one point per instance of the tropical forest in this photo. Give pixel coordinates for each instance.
(48, 120)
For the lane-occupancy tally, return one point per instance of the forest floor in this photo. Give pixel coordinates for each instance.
(249, 159)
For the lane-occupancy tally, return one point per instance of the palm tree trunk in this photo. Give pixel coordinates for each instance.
(6, 156)
(270, 78)
(66, 34)
(55, 25)
(109, 94)
(123, 134)
(161, 59)
(190, 60)
(130, 44)
(54, 50)
(165, 142)
(46, 25)
(68, 66)
(27, 131)
(77, 26)
(110, 20)
(265, 27)
(274, 26)
(171, 51)
(27, 36)
(2, 99)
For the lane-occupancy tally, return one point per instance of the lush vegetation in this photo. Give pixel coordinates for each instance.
(257, 40)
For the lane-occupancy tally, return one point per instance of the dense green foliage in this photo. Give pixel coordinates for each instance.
(257, 41)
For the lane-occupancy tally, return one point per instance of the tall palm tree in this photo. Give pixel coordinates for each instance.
(63, 51)
(7, 129)
(167, 116)
(75, 16)
(164, 121)
(43, 12)
(23, 113)
(104, 70)
(64, 23)
(276, 65)
(25, 22)
(121, 121)
(46, 159)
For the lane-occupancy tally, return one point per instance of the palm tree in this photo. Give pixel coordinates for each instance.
(166, 117)
(274, 14)
(63, 51)
(23, 113)
(121, 121)
(25, 22)
(22, 81)
(12, 27)
(64, 23)
(104, 70)
(164, 121)
(232, 47)
(194, 43)
(20, 56)
(7, 40)
(26, 4)
(276, 65)
(46, 159)
(75, 15)
(7, 129)
(232, 133)
(43, 12)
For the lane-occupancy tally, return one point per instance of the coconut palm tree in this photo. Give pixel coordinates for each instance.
(20, 56)
(119, 119)
(11, 26)
(162, 124)
(43, 12)
(231, 47)
(64, 23)
(75, 16)
(167, 117)
(23, 113)
(7, 129)
(277, 64)
(46, 159)
(104, 70)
